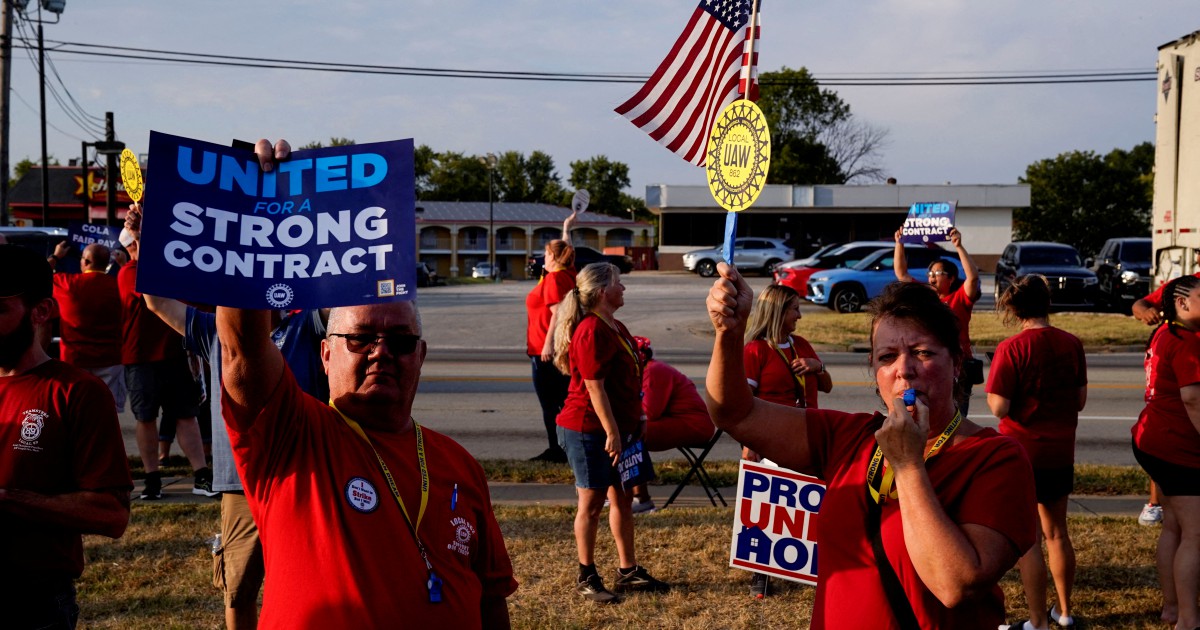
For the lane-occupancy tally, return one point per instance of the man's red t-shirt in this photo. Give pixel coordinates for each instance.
(89, 305)
(147, 338)
(600, 353)
(984, 480)
(771, 376)
(337, 550)
(961, 304)
(1164, 428)
(550, 290)
(1040, 372)
(59, 433)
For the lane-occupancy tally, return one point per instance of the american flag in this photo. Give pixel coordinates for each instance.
(709, 67)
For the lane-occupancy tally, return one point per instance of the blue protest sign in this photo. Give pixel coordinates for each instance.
(327, 227)
(928, 222)
(635, 466)
(82, 234)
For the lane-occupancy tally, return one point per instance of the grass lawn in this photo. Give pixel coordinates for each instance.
(987, 328)
(159, 574)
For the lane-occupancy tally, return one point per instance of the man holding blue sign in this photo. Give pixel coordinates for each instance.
(393, 520)
(89, 307)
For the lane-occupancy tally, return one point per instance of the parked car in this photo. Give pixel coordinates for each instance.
(584, 256)
(426, 276)
(483, 270)
(1122, 271)
(847, 290)
(795, 274)
(1071, 284)
(748, 254)
(43, 240)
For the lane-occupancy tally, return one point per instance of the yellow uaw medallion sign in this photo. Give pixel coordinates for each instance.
(131, 176)
(739, 153)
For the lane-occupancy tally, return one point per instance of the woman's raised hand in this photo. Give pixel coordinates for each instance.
(729, 299)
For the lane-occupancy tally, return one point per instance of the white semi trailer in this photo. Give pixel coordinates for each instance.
(1176, 222)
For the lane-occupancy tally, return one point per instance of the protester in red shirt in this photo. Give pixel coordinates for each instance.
(89, 307)
(541, 308)
(781, 367)
(676, 415)
(942, 278)
(340, 551)
(1166, 443)
(1037, 386)
(63, 471)
(157, 375)
(601, 416)
(950, 503)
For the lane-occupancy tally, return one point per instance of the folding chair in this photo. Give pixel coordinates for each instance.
(697, 470)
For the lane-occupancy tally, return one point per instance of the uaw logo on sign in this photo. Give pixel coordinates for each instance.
(32, 423)
(774, 522)
(464, 533)
(361, 495)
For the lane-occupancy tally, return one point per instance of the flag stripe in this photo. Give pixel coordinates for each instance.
(709, 65)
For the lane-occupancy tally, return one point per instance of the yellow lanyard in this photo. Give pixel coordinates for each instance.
(799, 379)
(886, 489)
(625, 342)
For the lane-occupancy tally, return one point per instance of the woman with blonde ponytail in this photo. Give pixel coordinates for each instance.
(602, 414)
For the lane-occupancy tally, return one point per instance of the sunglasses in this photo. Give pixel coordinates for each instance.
(364, 343)
(934, 274)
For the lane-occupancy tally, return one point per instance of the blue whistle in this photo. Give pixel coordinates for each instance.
(435, 588)
(910, 397)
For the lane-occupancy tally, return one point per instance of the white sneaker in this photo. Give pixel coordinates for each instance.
(643, 506)
(1151, 515)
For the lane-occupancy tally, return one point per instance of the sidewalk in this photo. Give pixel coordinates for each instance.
(177, 490)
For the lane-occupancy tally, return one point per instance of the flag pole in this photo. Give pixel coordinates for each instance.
(731, 218)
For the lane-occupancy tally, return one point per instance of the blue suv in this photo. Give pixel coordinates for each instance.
(847, 290)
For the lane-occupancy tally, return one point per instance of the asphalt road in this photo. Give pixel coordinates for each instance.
(476, 384)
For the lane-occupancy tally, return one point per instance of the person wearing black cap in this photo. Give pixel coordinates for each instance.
(63, 471)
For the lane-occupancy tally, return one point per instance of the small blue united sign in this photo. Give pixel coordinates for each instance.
(928, 222)
(775, 521)
(82, 234)
(327, 227)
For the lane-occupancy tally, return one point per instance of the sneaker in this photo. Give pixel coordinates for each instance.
(203, 485)
(592, 589)
(643, 506)
(760, 585)
(639, 580)
(152, 490)
(551, 456)
(1063, 621)
(1151, 515)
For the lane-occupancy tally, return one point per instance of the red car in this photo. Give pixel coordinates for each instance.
(795, 274)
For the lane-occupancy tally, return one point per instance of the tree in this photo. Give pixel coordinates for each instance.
(815, 138)
(604, 181)
(333, 142)
(1083, 199)
(22, 168)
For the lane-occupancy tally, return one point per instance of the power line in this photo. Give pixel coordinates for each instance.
(982, 78)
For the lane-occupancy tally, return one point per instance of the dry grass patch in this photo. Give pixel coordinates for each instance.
(158, 575)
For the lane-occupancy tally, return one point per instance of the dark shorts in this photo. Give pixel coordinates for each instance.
(592, 466)
(166, 385)
(50, 606)
(1052, 484)
(1172, 479)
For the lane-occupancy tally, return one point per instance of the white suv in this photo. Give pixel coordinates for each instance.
(760, 254)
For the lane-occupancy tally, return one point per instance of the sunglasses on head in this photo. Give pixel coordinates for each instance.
(364, 343)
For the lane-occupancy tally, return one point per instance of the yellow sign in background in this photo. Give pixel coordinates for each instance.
(131, 176)
(739, 153)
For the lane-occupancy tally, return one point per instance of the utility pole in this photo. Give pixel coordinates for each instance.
(5, 84)
(110, 171)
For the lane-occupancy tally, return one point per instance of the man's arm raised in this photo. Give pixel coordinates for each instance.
(251, 365)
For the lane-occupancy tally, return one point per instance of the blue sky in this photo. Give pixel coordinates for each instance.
(964, 135)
